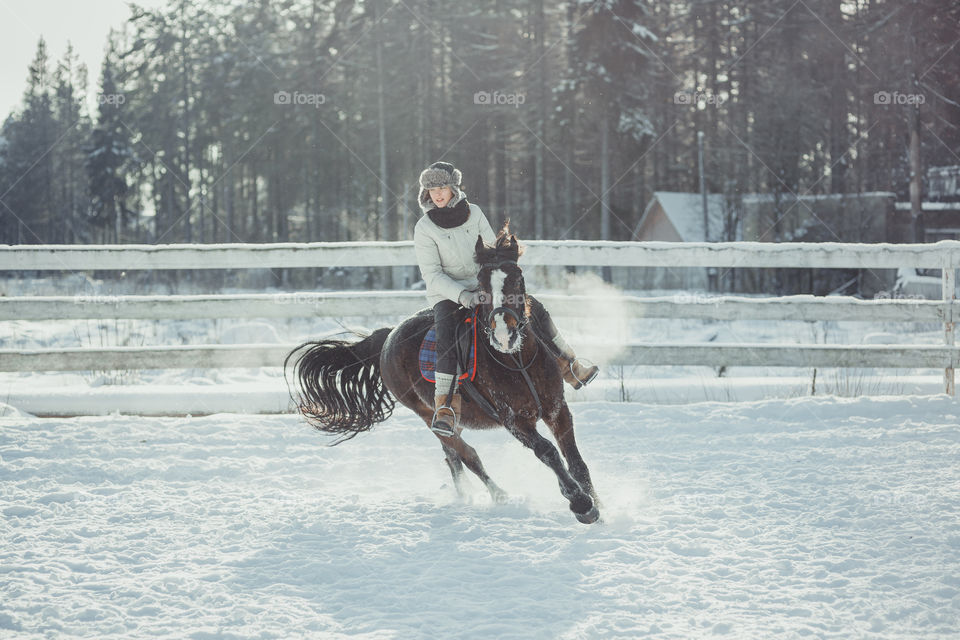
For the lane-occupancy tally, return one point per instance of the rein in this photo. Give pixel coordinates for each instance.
(522, 369)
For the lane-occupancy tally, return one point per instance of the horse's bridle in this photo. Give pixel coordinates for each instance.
(521, 325)
(521, 321)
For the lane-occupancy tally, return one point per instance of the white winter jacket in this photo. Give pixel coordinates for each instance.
(445, 256)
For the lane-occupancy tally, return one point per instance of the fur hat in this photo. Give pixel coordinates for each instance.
(439, 174)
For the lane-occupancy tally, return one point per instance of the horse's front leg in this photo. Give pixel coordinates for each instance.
(561, 425)
(581, 503)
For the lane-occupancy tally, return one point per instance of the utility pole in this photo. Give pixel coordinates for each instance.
(711, 271)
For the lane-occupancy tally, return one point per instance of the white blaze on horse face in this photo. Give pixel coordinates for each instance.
(501, 333)
(497, 281)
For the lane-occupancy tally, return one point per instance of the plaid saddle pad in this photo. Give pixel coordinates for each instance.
(428, 350)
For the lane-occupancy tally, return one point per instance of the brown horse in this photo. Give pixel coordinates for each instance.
(344, 388)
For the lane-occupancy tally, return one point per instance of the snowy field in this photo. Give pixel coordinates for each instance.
(807, 517)
(734, 503)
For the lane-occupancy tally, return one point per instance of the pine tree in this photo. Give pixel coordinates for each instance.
(26, 190)
(612, 51)
(110, 157)
(71, 193)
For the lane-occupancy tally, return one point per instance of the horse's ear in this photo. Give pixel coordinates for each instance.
(516, 243)
(478, 249)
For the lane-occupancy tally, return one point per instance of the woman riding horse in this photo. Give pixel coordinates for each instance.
(344, 388)
(444, 239)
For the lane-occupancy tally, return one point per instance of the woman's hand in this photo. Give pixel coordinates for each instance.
(469, 298)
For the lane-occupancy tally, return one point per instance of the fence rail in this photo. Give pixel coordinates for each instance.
(633, 353)
(825, 255)
(941, 255)
(399, 303)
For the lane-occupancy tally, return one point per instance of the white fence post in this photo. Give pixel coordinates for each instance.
(949, 295)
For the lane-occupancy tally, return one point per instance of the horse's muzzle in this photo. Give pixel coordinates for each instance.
(503, 337)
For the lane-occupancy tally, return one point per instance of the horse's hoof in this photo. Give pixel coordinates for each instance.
(589, 517)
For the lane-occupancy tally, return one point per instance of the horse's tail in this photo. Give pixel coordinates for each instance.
(338, 385)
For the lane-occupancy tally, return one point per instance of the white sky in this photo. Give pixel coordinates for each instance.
(84, 23)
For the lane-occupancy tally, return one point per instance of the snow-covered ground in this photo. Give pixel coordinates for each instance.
(807, 517)
(762, 513)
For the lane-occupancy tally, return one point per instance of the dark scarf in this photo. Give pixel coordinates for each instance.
(450, 217)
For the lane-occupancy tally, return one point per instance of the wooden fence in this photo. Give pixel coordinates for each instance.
(942, 255)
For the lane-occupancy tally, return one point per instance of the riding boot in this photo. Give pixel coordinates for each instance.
(446, 414)
(574, 373)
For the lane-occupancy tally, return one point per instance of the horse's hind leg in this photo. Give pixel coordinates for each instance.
(456, 468)
(460, 454)
(468, 455)
(581, 503)
(562, 427)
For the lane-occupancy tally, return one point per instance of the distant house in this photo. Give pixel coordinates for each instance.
(939, 217)
(938, 221)
(943, 183)
(841, 217)
(672, 216)
(763, 217)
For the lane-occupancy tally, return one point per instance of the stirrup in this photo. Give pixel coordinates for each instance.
(589, 378)
(444, 430)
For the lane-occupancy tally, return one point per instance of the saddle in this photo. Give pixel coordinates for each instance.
(466, 345)
(466, 342)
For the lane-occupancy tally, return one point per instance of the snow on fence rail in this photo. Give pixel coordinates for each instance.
(823, 255)
(941, 255)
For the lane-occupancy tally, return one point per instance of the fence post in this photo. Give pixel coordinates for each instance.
(949, 295)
